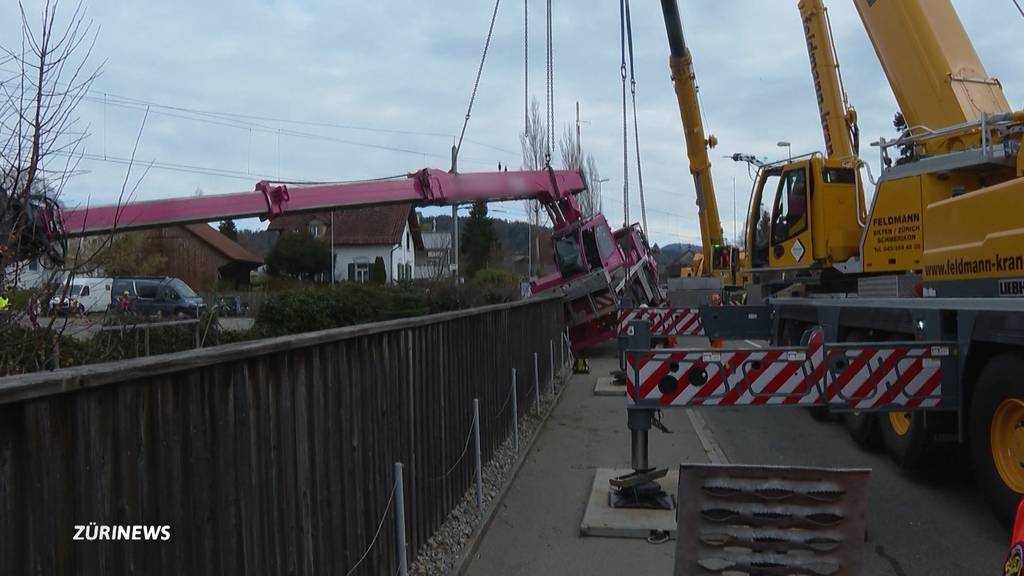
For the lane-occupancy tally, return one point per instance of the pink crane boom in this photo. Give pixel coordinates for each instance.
(595, 267)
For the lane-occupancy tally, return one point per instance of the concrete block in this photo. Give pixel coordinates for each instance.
(600, 519)
(606, 386)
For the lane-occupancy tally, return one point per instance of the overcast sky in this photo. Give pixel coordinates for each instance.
(393, 79)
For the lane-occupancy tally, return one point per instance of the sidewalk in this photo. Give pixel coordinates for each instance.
(536, 531)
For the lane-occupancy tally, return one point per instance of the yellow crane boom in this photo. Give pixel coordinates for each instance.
(697, 144)
(838, 118)
(935, 73)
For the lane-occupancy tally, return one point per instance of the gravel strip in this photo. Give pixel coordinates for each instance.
(442, 549)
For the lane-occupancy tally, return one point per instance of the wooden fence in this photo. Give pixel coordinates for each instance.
(267, 457)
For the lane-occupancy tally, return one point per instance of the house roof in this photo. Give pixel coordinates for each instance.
(363, 226)
(221, 243)
(437, 240)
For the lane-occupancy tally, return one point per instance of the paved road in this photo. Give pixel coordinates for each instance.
(934, 524)
(931, 524)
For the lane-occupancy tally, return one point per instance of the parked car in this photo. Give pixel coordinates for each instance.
(81, 296)
(156, 295)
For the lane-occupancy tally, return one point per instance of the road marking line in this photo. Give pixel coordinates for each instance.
(714, 452)
(752, 343)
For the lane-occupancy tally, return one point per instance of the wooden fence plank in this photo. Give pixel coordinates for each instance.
(263, 459)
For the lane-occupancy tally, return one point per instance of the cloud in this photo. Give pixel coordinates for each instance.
(409, 66)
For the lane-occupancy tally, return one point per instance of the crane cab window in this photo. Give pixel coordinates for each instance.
(759, 223)
(567, 251)
(790, 210)
(590, 247)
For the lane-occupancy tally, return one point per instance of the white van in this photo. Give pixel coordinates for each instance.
(82, 296)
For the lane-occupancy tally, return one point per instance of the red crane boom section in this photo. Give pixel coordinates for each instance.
(556, 189)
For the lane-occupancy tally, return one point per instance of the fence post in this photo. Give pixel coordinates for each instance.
(147, 340)
(536, 383)
(515, 413)
(198, 342)
(551, 357)
(476, 449)
(403, 568)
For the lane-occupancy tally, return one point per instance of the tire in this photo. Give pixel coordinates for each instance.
(863, 428)
(998, 406)
(906, 439)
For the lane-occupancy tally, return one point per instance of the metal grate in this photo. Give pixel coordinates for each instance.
(770, 520)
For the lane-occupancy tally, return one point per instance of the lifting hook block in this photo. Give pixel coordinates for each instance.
(276, 197)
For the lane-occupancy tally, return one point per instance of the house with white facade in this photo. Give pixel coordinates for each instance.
(358, 236)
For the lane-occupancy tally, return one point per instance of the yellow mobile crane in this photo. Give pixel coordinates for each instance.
(953, 208)
(948, 216)
(806, 215)
(941, 362)
(717, 258)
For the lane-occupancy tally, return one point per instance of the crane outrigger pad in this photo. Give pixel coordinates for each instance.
(862, 377)
(770, 520)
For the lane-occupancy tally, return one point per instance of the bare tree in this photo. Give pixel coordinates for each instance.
(533, 141)
(39, 151)
(573, 159)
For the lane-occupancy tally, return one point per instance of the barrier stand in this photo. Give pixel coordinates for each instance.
(551, 357)
(515, 413)
(536, 383)
(403, 566)
(476, 450)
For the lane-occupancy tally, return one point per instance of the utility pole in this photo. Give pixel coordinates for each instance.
(455, 242)
(529, 247)
(579, 147)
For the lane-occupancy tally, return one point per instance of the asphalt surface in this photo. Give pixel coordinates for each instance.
(934, 523)
(930, 522)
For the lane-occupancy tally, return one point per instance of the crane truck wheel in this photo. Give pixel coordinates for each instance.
(906, 439)
(996, 429)
(863, 428)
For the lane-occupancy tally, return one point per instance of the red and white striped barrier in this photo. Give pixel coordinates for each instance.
(852, 376)
(664, 321)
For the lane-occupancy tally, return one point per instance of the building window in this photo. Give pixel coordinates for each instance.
(362, 272)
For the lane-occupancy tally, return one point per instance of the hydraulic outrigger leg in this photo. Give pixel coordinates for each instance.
(640, 488)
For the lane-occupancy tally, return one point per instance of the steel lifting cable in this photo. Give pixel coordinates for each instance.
(1019, 9)
(526, 65)
(479, 72)
(636, 124)
(550, 88)
(625, 116)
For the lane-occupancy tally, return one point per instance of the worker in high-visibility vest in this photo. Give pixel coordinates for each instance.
(5, 303)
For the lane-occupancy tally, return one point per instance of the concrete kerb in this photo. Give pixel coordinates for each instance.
(473, 543)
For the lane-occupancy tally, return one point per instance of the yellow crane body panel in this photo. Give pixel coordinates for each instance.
(975, 236)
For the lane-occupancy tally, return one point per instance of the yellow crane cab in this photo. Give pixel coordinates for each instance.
(805, 215)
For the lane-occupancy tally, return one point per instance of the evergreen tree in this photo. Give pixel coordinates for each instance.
(227, 228)
(478, 239)
(378, 273)
(299, 255)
